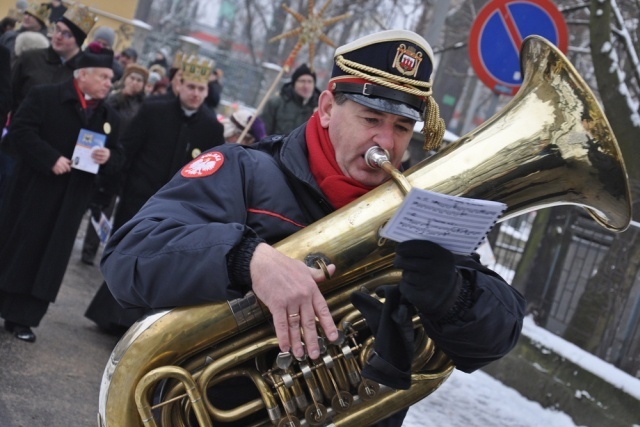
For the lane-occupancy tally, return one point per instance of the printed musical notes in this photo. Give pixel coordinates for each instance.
(457, 223)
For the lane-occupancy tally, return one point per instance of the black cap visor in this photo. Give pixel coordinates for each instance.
(386, 105)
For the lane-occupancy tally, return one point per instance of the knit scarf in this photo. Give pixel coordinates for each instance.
(339, 189)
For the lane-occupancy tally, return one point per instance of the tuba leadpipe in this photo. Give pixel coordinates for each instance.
(550, 145)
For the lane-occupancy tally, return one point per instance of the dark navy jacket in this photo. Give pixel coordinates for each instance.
(174, 252)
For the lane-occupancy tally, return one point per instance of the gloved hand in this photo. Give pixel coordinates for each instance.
(390, 323)
(430, 280)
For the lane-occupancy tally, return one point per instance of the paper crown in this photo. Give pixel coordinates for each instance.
(40, 12)
(81, 17)
(196, 69)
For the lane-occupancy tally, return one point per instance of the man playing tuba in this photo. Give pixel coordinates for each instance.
(206, 236)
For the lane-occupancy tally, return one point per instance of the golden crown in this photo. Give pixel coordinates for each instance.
(40, 12)
(81, 17)
(196, 69)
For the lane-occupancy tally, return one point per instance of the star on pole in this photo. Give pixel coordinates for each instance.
(309, 31)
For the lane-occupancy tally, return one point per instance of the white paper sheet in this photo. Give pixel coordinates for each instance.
(459, 224)
(86, 143)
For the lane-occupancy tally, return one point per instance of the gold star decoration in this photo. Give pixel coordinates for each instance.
(309, 31)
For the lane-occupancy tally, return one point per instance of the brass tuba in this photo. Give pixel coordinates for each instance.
(550, 145)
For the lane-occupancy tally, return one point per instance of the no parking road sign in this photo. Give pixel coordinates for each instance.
(498, 32)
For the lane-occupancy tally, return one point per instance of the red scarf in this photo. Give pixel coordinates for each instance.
(339, 189)
(86, 103)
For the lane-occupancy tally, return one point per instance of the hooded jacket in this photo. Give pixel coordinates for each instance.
(287, 111)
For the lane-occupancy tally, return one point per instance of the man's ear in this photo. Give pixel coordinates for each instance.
(325, 107)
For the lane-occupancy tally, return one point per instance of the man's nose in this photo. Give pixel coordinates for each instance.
(384, 137)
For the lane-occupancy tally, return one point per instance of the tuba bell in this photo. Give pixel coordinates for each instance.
(550, 145)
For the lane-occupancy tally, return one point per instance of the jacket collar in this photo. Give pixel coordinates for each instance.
(53, 58)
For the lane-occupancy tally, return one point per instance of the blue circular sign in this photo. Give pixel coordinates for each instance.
(498, 32)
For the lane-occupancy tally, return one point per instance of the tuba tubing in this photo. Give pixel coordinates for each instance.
(550, 145)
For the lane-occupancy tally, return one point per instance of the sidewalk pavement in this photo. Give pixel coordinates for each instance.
(55, 381)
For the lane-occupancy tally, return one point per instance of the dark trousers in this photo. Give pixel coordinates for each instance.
(91, 242)
(22, 308)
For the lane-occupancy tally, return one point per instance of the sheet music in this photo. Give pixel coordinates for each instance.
(459, 224)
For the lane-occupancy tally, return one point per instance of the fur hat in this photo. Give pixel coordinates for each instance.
(30, 40)
(106, 34)
(95, 55)
(302, 70)
(80, 21)
(136, 69)
(157, 68)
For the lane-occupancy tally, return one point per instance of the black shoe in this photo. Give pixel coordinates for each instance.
(19, 331)
(87, 261)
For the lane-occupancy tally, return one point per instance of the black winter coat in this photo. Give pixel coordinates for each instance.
(42, 211)
(38, 67)
(160, 140)
(5, 87)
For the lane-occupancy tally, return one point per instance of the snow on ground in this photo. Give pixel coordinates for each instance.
(584, 359)
(478, 400)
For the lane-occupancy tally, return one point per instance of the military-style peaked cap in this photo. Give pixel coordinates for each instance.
(388, 71)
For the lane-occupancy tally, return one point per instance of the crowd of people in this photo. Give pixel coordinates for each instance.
(196, 207)
(43, 196)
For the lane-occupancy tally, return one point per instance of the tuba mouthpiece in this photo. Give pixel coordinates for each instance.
(376, 156)
(379, 158)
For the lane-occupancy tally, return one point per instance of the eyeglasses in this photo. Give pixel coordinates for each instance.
(64, 33)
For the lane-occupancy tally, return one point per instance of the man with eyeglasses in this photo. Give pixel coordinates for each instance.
(57, 62)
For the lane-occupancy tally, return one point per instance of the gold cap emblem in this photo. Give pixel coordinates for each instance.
(407, 60)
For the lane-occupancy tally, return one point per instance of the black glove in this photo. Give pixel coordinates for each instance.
(430, 280)
(390, 323)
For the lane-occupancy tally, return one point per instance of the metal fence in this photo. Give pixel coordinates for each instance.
(574, 258)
